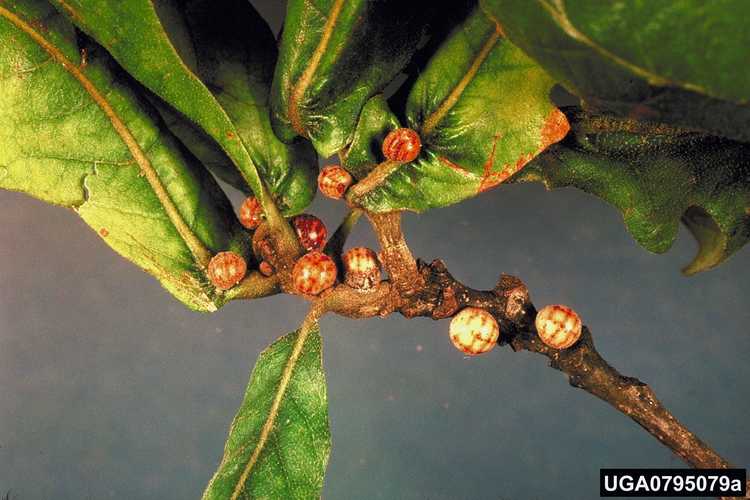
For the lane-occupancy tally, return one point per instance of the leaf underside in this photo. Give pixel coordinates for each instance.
(59, 144)
(291, 462)
(656, 181)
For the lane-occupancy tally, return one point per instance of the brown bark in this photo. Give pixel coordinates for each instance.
(416, 288)
(431, 291)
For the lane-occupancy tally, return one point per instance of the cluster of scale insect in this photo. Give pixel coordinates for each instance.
(315, 271)
(472, 331)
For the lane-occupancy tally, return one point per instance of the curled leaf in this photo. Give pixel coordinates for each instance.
(211, 36)
(335, 55)
(656, 180)
(143, 47)
(482, 110)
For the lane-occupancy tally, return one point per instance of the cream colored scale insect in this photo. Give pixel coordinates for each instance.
(361, 267)
(558, 326)
(474, 331)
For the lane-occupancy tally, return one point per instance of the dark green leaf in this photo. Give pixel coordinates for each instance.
(237, 68)
(482, 110)
(279, 450)
(657, 178)
(134, 34)
(74, 135)
(336, 54)
(364, 152)
(678, 62)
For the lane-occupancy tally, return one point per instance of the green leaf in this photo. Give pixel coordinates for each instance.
(279, 441)
(133, 33)
(677, 62)
(335, 55)
(364, 152)
(238, 69)
(656, 179)
(75, 135)
(482, 110)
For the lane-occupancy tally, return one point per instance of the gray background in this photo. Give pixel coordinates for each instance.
(109, 388)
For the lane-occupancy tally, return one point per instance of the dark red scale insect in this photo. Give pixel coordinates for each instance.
(226, 269)
(311, 231)
(402, 145)
(333, 181)
(313, 273)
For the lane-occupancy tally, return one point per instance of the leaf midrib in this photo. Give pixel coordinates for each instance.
(429, 124)
(307, 327)
(557, 11)
(303, 83)
(199, 251)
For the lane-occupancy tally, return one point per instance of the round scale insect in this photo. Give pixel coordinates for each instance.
(311, 231)
(333, 181)
(402, 145)
(558, 326)
(361, 268)
(313, 273)
(251, 213)
(226, 269)
(474, 331)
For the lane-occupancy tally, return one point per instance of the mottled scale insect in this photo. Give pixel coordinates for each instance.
(333, 181)
(311, 231)
(313, 273)
(226, 269)
(251, 213)
(402, 145)
(558, 326)
(361, 268)
(474, 331)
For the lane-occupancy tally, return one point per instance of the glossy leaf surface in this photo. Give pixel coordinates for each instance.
(334, 55)
(232, 49)
(144, 48)
(482, 110)
(678, 62)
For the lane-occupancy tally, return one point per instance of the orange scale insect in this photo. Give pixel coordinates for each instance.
(402, 145)
(251, 213)
(313, 273)
(333, 181)
(226, 269)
